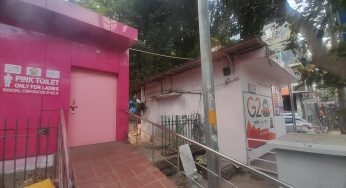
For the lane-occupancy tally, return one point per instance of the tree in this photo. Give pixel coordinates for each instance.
(165, 27)
(313, 35)
(329, 65)
(325, 80)
(313, 22)
(252, 15)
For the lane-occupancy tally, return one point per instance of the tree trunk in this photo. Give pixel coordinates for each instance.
(320, 54)
(331, 25)
(302, 105)
(342, 109)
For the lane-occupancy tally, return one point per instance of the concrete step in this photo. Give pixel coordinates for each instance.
(265, 163)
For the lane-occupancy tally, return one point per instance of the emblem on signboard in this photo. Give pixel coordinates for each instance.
(13, 69)
(52, 74)
(265, 109)
(33, 71)
(7, 80)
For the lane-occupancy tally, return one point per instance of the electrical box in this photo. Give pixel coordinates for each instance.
(226, 71)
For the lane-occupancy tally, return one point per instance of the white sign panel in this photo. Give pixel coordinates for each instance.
(187, 161)
(33, 71)
(258, 111)
(31, 81)
(52, 74)
(13, 69)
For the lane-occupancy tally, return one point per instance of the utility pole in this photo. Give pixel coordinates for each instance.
(208, 93)
(292, 108)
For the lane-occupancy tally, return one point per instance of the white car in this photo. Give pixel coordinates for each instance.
(301, 124)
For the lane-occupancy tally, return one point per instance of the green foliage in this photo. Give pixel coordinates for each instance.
(342, 112)
(340, 4)
(340, 50)
(292, 43)
(223, 23)
(247, 17)
(253, 15)
(202, 160)
(215, 42)
(327, 83)
(327, 93)
(310, 75)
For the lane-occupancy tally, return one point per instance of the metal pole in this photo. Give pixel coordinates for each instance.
(178, 162)
(15, 155)
(26, 147)
(153, 144)
(208, 93)
(292, 108)
(3, 153)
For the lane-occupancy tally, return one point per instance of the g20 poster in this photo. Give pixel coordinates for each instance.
(258, 111)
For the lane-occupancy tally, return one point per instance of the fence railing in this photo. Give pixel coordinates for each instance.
(27, 151)
(190, 126)
(32, 150)
(269, 180)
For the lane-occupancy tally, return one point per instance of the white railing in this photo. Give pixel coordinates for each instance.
(222, 157)
(65, 178)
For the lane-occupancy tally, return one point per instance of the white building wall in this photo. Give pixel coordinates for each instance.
(263, 87)
(184, 104)
(179, 105)
(230, 116)
(229, 100)
(231, 130)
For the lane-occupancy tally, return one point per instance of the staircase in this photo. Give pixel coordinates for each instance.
(263, 159)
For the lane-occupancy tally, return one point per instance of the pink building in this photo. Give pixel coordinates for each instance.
(56, 55)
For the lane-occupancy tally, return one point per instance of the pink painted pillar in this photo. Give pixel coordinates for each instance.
(122, 97)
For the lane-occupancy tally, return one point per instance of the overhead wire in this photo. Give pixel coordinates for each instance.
(174, 57)
(161, 55)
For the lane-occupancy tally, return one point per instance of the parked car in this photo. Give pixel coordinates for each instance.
(301, 124)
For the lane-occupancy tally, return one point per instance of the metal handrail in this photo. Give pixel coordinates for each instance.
(66, 178)
(236, 162)
(256, 139)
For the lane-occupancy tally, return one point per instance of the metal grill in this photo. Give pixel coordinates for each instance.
(27, 151)
(189, 126)
(32, 151)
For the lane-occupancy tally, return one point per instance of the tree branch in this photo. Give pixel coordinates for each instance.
(320, 54)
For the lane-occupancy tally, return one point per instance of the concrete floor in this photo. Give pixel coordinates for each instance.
(115, 165)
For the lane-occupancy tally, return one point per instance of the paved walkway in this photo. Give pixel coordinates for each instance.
(115, 165)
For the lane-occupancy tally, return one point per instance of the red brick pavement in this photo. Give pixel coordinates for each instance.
(115, 165)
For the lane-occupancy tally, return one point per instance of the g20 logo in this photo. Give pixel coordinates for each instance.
(253, 107)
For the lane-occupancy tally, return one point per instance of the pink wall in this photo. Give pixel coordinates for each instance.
(33, 49)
